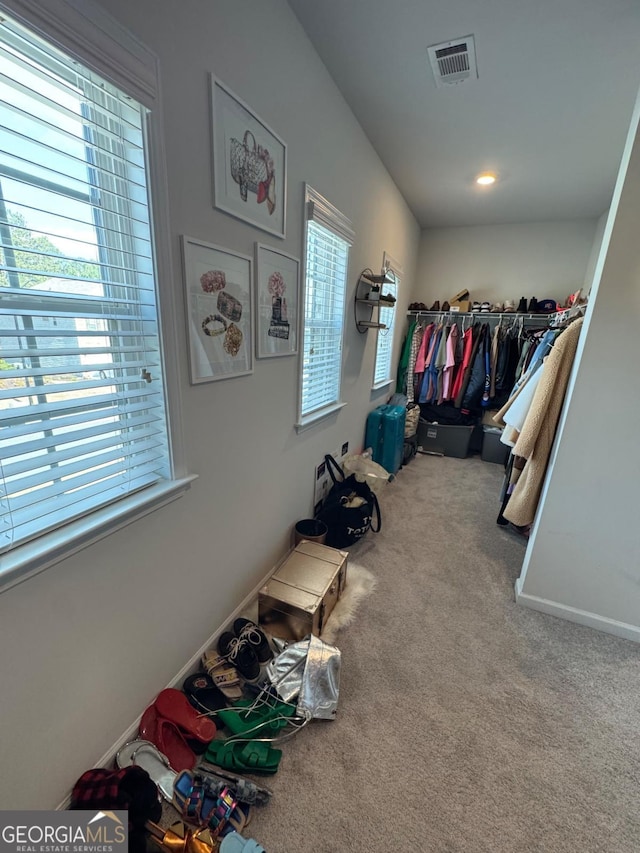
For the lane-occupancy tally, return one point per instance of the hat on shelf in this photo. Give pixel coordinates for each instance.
(547, 306)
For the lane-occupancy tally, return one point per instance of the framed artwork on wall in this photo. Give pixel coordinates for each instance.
(219, 311)
(277, 299)
(249, 163)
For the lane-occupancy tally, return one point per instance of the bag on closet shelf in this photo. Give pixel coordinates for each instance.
(350, 509)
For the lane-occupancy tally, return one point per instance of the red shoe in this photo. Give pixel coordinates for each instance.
(168, 738)
(173, 705)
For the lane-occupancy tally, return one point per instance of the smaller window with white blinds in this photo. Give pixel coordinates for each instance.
(82, 401)
(384, 342)
(328, 236)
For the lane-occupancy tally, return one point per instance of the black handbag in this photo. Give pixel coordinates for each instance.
(350, 509)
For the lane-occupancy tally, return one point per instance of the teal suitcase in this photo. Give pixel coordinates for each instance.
(385, 436)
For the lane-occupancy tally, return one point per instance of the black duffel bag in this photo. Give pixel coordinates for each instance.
(348, 518)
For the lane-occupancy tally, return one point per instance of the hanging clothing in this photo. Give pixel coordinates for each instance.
(415, 346)
(469, 369)
(495, 344)
(430, 383)
(441, 360)
(514, 413)
(539, 429)
(467, 346)
(450, 363)
(403, 364)
(475, 389)
(423, 349)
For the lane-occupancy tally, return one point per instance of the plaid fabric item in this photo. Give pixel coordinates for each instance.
(100, 789)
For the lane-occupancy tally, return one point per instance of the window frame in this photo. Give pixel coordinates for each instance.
(87, 33)
(388, 263)
(317, 209)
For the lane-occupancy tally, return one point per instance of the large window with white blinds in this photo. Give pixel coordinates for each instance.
(82, 402)
(384, 342)
(328, 237)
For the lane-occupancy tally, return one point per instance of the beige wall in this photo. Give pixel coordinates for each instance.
(583, 560)
(498, 262)
(89, 642)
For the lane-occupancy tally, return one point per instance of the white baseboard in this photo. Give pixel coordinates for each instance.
(581, 617)
(192, 665)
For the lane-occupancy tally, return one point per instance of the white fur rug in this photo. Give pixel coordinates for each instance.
(360, 584)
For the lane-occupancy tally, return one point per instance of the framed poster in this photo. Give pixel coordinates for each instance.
(219, 311)
(249, 163)
(277, 298)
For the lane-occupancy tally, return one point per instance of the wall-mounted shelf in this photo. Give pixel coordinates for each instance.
(369, 299)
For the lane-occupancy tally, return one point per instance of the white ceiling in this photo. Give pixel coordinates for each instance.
(549, 111)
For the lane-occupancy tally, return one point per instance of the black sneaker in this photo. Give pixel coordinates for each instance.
(240, 654)
(247, 630)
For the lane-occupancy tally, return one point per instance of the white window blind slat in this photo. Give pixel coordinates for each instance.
(119, 272)
(67, 352)
(73, 506)
(31, 446)
(77, 488)
(65, 223)
(116, 402)
(47, 197)
(63, 424)
(55, 465)
(82, 410)
(42, 60)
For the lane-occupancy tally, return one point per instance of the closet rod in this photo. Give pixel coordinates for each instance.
(509, 314)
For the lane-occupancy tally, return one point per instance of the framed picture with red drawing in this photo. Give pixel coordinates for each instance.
(249, 163)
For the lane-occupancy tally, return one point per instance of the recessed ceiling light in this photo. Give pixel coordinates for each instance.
(485, 179)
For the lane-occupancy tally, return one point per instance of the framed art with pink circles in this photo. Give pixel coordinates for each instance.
(219, 311)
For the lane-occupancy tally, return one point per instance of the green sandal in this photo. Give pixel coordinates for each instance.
(259, 721)
(252, 757)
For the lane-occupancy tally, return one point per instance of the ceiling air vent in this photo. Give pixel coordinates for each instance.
(453, 61)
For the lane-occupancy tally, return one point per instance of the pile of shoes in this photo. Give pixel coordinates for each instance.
(192, 748)
(194, 745)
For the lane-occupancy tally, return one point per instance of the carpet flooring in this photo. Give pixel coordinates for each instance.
(466, 722)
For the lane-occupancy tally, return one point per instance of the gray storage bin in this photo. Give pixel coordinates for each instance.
(445, 439)
(493, 450)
